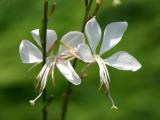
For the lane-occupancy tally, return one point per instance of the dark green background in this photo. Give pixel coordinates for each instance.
(135, 93)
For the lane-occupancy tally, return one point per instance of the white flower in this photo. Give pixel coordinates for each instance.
(31, 54)
(112, 36)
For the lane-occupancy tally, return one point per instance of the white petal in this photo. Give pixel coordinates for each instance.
(69, 73)
(112, 35)
(123, 61)
(29, 52)
(84, 53)
(35, 34)
(71, 40)
(93, 33)
(51, 38)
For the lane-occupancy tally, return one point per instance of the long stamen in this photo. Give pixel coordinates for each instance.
(32, 67)
(53, 67)
(32, 102)
(42, 77)
(105, 79)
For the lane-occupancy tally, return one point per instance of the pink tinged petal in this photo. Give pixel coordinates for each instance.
(71, 40)
(68, 72)
(51, 38)
(93, 33)
(123, 61)
(85, 54)
(29, 53)
(112, 35)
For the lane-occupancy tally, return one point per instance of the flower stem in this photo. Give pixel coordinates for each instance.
(66, 101)
(68, 93)
(86, 16)
(43, 33)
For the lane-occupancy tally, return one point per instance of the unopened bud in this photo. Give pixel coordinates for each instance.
(117, 2)
(98, 2)
(52, 9)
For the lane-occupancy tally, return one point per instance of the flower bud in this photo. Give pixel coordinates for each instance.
(98, 2)
(117, 2)
(52, 9)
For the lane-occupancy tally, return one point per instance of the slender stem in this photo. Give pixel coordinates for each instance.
(87, 10)
(69, 89)
(43, 34)
(67, 95)
(66, 101)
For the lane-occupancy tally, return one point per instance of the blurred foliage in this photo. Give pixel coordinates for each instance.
(136, 94)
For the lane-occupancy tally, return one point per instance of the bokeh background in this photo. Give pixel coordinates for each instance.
(135, 93)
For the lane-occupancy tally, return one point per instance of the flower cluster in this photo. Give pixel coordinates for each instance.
(73, 46)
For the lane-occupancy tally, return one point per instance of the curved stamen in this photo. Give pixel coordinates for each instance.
(105, 79)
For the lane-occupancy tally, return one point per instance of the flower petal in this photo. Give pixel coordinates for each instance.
(68, 72)
(84, 53)
(112, 35)
(123, 61)
(29, 53)
(71, 40)
(93, 33)
(51, 38)
(35, 34)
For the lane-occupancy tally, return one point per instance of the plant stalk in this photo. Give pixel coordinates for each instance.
(43, 35)
(69, 88)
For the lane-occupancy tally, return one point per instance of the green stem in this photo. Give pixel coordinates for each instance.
(87, 10)
(66, 101)
(43, 34)
(69, 88)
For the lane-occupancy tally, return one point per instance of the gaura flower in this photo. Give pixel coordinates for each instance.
(112, 36)
(31, 54)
